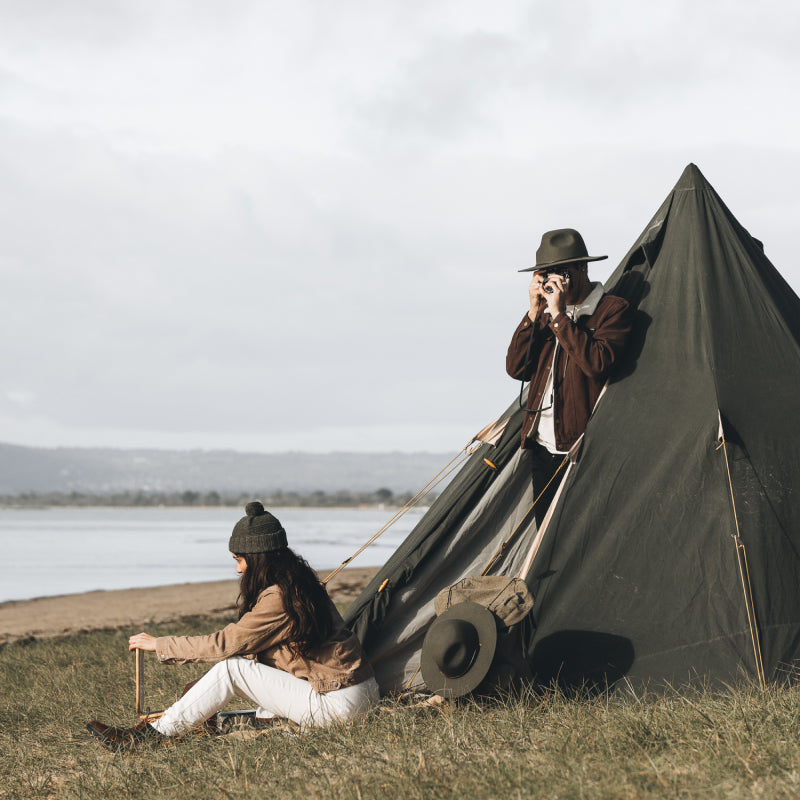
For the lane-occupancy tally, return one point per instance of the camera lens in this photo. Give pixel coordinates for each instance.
(563, 274)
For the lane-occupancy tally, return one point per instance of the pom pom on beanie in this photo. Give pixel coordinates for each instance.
(258, 532)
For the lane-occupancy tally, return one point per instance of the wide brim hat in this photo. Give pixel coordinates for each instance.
(458, 649)
(562, 246)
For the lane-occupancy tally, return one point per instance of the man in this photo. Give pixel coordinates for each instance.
(566, 346)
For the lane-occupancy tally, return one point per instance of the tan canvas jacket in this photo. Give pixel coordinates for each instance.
(262, 634)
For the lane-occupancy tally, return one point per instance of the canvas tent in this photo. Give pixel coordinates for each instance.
(673, 547)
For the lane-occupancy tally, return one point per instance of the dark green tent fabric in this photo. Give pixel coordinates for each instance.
(393, 587)
(640, 567)
(641, 570)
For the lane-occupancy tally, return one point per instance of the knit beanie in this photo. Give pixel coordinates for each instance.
(258, 532)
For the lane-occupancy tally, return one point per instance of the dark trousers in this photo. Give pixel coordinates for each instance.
(544, 465)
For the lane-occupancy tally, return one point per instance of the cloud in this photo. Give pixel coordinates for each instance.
(20, 397)
(442, 90)
(285, 221)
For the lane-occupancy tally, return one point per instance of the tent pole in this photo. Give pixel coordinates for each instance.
(744, 570)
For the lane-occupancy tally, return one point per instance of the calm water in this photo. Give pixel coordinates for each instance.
(47, 552)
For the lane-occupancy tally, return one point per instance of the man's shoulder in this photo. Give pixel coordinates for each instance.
(612, 304)
(613, 300)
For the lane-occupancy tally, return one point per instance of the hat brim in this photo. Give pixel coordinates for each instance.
(486, 627)
(550, 264)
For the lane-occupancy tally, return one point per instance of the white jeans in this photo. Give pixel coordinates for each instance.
(275, 692)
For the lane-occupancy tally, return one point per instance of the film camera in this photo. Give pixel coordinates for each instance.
(563, 273)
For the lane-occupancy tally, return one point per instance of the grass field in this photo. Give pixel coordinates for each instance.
(739, 743)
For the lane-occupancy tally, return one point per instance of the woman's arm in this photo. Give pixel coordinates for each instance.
(263, 627)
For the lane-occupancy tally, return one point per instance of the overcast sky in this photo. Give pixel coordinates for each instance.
(297, 226)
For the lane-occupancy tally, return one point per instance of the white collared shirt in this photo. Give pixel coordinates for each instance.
(545, 430)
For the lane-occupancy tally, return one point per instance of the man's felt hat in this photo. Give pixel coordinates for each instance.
(258, 532)
(561, 247)
(458, 649)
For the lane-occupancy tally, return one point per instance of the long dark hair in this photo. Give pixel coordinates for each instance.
(305, 598)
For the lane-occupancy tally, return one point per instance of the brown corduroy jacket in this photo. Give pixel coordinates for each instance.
(262, 634)
(588, 349)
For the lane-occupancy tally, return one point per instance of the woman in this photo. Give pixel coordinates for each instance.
(289, 652)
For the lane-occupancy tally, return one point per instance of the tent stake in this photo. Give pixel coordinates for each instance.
(139, 682)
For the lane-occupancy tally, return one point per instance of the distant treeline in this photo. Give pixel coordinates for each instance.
(316, 499)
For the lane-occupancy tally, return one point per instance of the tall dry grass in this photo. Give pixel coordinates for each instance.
(739, 743)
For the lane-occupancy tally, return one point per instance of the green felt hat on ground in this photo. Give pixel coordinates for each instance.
(458, 649)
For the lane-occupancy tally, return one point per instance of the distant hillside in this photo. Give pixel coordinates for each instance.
(101, 470)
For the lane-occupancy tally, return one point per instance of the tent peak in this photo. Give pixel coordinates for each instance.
(692, 179)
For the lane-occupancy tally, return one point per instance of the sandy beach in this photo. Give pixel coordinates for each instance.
(134, 608)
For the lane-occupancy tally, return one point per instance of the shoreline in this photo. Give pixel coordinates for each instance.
(5, 506)
(62, 615)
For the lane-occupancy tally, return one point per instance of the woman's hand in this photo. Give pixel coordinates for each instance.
(142, 641)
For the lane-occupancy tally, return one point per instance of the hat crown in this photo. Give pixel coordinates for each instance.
(456, 647)
(561, 245)
(257, 532)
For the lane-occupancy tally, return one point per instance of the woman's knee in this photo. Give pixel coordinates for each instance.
(242, 674)
(224, 672)
(220, 670)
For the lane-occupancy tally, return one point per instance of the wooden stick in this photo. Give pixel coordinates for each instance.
(139, 682)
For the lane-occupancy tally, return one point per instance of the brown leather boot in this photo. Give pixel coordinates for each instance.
(124, 738)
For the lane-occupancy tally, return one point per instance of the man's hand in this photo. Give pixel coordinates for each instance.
(555, 300)
(537, 297)
(142, 641)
